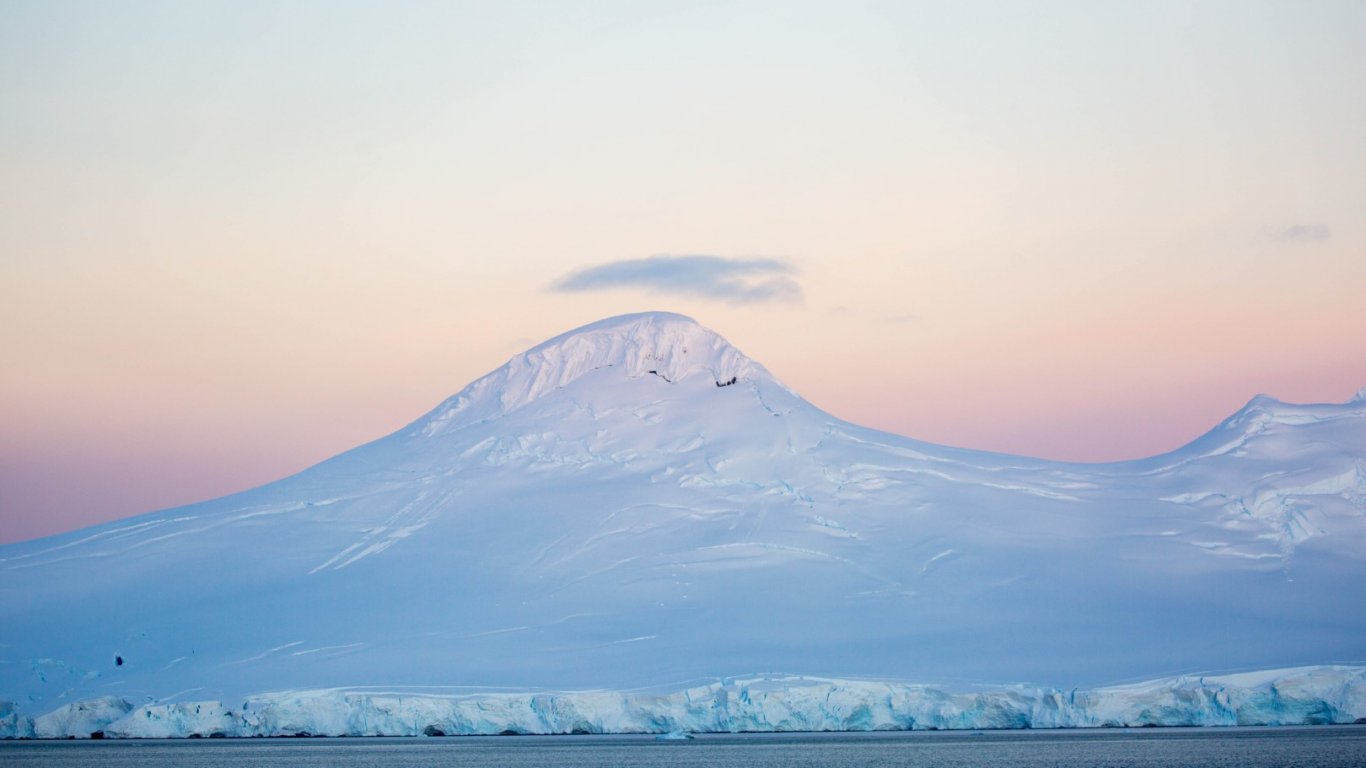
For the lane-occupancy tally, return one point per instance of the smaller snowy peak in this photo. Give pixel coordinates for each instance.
(1253, 417)
(674, 348)
(1359, 397)
(1264, 416)
(1265, 410)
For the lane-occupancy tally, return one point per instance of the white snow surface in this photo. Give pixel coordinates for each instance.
(637, 502)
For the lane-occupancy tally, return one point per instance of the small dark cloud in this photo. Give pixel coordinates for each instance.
(1300, 233)
(737, 281)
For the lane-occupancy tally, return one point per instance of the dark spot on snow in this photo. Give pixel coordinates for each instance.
(732, 380)
(118, 661)
(97, 734)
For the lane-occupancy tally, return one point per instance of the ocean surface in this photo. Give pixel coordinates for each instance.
(1308, 747)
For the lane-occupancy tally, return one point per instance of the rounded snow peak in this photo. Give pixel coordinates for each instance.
(672, 347)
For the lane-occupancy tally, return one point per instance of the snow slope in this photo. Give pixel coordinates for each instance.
(636, 504)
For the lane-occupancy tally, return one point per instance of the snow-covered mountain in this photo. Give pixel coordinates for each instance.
(637, 504)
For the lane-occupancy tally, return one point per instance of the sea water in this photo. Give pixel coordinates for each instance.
(1316, 747)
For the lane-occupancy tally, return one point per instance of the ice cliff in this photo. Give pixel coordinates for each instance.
(1309, 696)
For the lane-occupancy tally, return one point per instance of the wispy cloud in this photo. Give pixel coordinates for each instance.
(737, 281)
(873, 317)
(1300, 233)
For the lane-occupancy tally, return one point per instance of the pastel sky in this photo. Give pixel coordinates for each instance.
(237, 238)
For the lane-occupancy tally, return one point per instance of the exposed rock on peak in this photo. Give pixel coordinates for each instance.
(671, 347)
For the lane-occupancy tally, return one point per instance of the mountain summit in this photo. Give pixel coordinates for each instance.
(671, 347)
(637, 503)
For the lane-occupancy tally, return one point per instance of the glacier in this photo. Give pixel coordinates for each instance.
(636, 502)
(1308, 696)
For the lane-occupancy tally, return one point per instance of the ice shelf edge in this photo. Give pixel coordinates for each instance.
(1302, 696)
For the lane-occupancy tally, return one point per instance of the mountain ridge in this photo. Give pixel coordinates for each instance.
(576, 521)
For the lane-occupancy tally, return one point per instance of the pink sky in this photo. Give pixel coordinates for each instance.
(1059, 230)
